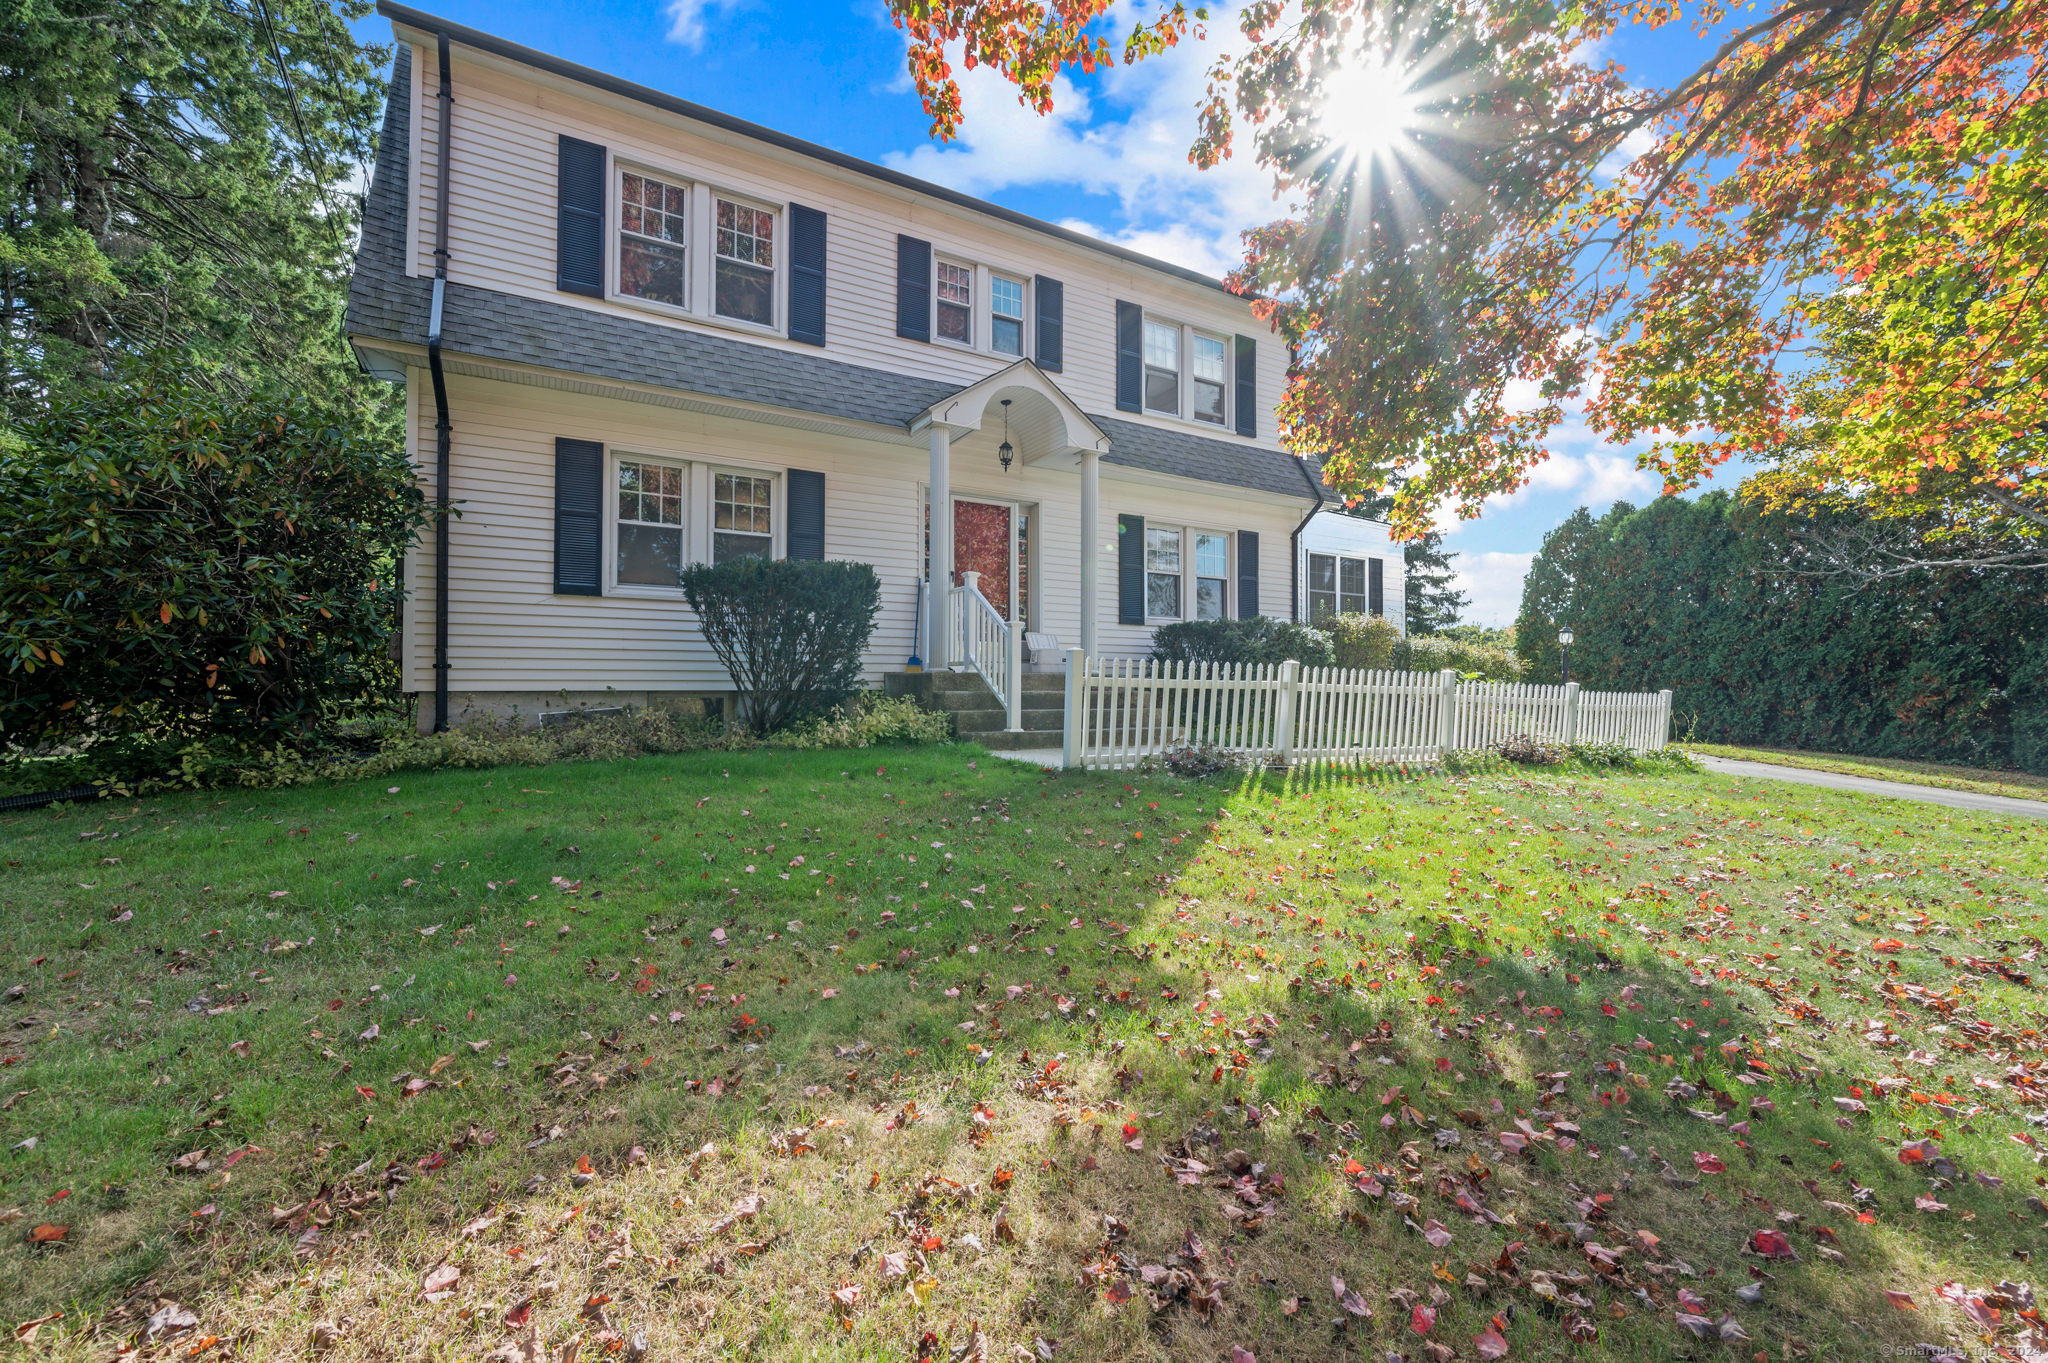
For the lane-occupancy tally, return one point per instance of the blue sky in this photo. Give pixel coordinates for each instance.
(1111, 160)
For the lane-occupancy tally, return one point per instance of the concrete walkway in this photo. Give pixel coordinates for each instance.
(1037, 757)
(1864, 785)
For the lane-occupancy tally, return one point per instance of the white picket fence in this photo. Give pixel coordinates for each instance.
(1123, 710)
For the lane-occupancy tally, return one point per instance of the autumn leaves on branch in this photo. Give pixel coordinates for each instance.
(1821, 250)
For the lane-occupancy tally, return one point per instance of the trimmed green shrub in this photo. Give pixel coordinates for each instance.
(1366, 642)
(195, 568)
(1261, 639)
(789, 631)
(1369, 641)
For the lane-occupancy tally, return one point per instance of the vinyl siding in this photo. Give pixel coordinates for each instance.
(502, 207)
(509, 632)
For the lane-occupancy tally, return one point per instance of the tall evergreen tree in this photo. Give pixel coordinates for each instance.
(1434, 603)
(1553, 594)
(176, 180)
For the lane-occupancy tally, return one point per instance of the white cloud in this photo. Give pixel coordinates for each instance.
(1495, 581)
(689, 21)
(1128, 142)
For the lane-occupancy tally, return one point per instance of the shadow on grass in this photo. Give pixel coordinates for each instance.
(1290, 1016)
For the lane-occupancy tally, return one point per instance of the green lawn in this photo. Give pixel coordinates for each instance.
(2017, 784)
(834, 1055)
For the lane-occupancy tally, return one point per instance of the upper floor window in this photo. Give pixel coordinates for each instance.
(1162, 367)
(956, 303)
(745, 278)
(1208, 377)
(651, 235)
(650, 523)
(742, 521)
(1006, 315)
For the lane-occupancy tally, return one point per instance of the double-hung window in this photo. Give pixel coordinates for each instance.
(1162, 573)
(956, 303)
(1351, 586)
(1006, 315)
(744, 280)
(742, 516)
(650, 523)
(652, 264)
(1212, 576)
(1208, 380)
(1341, 585)
(1162, 367)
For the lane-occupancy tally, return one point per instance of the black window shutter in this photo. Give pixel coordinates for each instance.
(1130, 357)
(913, 289)
(1052, 324)
(1376, 586)
(805, 526)
(1130, 570)
(806, 275)
(1247, 574)
(579, 223)
(579, 517)
(1247, 386)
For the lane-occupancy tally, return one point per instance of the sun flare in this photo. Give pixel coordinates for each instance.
(1370, 110)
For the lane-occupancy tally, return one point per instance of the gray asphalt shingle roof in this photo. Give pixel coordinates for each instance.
(486, 324)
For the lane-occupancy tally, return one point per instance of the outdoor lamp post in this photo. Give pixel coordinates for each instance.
(1564, 643)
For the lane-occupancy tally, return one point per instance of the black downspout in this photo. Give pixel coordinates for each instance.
(1294, 547)
(441, 426)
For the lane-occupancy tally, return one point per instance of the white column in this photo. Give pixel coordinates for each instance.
(1091, 546)
(939, 629)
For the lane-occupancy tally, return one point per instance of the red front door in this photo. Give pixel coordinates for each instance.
(983, 536)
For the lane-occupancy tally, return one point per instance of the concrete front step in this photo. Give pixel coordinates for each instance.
(977, 716)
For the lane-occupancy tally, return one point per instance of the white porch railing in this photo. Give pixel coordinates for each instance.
(1122, 710)
(981, 640)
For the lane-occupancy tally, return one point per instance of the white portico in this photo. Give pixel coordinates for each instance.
(972, 620)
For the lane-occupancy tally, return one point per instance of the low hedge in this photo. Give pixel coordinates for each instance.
(869, 720)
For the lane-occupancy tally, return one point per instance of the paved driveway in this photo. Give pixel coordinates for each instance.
(1864, 785)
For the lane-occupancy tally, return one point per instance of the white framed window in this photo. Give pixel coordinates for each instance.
(653, 233)
(955, 300)
(1162, 367)
(1212, 575)
(743, 282)
(649, 534)
(742, 516)
(1006, 315)
(1339, 584)
(1162, 573)
(1209, 387)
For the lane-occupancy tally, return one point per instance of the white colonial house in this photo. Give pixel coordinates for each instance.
(636, 333)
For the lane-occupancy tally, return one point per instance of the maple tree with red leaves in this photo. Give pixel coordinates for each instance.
(1822, 248)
